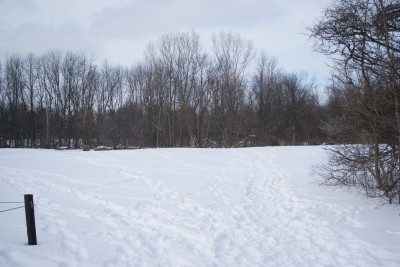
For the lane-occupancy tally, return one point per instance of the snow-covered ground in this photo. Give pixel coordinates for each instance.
(189, 207)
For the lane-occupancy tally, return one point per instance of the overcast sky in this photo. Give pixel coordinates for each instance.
(118, 30)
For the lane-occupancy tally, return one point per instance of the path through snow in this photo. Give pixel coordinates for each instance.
(189, 207)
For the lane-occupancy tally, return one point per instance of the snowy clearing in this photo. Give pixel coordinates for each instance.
(189, 207)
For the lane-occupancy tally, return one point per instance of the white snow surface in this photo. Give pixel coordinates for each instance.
(189, 207)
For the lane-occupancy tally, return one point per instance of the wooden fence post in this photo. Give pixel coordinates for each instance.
(30, 219)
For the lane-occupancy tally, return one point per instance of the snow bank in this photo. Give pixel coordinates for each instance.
(189, 207)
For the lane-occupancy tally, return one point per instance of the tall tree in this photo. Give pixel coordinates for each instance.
(265, 86)
(363, 37)
(110, 99)
(54, 113)
(16, 101)
(232, 55)
(30, 80)
(2, 110)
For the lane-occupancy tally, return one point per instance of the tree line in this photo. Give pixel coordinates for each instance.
(179, 94)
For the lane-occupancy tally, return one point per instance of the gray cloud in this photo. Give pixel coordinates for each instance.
(39, 39)
(119, 29)
(139, 18)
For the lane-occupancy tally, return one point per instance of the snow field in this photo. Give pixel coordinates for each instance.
(189, 207)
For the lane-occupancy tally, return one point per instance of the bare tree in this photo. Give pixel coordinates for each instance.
(88, 84)
(51, 82)
(30, 80)
(265, 86)
(3, 108)
(286, 106)
(232, 55)
(110, 99)
(299, 102)
(15, 94)
(363, 37)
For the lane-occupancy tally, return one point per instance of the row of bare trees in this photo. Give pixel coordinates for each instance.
(178, 95)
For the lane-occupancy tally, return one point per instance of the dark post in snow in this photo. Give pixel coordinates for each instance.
(30, 219)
